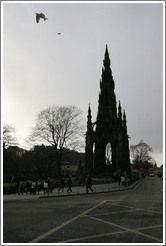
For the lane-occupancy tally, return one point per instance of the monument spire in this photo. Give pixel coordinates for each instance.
(124, 121)
(110, 129)
(89, 122)
(107, 98)
(106, 61)
(119, 111)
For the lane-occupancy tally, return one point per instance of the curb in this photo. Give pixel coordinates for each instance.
(57, 196)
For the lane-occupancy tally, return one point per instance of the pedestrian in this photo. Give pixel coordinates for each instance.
(52, 183)
(38, 186)
(126, 179)
(61, 185)
(19, 188)
(123, 180)
(27, 187)
(45, 187)
(119, 179)
(48, 182)
(89, 184)
(69, 184)
(33, 188)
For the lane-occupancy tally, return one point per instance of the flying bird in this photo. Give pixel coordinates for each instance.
(59, 33)
(41, 15)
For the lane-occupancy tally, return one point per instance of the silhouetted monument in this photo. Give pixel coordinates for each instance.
(109, 132)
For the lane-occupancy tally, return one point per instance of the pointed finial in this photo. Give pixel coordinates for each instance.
(124, 115)
(124, 121)
(106, 49)
(106, 61)
(89, 109)
(119, 111)
(89, 112)
(119, 104)
(89, 122)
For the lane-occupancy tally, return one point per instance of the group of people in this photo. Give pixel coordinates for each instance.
(69, 183)
(34, 187)
(123, 178)
(62, 184)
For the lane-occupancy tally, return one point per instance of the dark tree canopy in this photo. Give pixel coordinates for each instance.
(9, 137)
(61, 127)
(141, 156)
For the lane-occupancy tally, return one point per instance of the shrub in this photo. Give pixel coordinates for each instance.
(10, 188)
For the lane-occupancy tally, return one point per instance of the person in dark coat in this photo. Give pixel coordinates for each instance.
(119, 178)
(19, 188)
(69, 184)
(89, 184)
(61, 185)
(27, 187)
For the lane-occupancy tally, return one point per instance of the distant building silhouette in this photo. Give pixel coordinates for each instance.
(109, 132)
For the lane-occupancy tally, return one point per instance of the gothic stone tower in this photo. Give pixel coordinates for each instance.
(110, 129)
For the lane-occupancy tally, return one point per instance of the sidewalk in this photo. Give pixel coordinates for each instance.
(100, 188)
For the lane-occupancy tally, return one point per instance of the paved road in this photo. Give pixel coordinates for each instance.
(133, 216)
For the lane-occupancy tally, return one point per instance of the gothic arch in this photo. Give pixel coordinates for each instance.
(108, 154)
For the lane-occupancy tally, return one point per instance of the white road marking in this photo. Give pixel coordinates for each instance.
(124, 211)
(85, 213)
(128, 229)
(131, 201)
(39, 238)
(91, 237)
(137, 209)
(105, 234)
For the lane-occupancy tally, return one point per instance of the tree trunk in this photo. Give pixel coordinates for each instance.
(59, 161)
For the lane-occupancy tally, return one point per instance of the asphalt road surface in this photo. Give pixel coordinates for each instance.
(133, 216)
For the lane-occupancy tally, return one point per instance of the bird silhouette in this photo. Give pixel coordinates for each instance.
(59, 33)
(41, 15)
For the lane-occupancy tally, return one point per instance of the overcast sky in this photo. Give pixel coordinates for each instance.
(42, 68)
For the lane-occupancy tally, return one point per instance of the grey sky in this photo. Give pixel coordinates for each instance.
(42, 68)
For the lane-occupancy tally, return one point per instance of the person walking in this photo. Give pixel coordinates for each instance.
(33, 188)
(119, 178)
(48, 182)
(38, 186)
(52, 183)
(89, 184)
(69, 184)
(27, 187)
(19, 188)
(45, 187)
(126, 179)
(61, 185)
(123, 180)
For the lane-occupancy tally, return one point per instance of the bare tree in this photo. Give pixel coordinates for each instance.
(61, 127)
(9, 136)
(141, 153)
